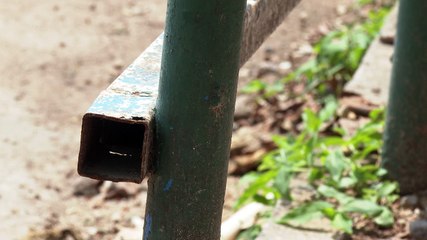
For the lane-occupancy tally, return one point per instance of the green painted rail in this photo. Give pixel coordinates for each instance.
(405, 139)
(194, 116)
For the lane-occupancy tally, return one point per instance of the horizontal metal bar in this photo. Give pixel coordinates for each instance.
(261, 19)
(117, 130)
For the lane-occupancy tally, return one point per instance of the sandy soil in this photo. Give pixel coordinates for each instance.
(55, 57)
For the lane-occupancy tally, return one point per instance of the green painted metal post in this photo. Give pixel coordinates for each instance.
(194, 115)
(405, 141)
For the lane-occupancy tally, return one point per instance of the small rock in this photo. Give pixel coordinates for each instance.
(303, 19)
(232, 167)
(267, 68)
(342, 236)
(303, 51)
(274, 231)
(20, 96)
(341, 9)
(285, 66)
(115, 192)
(129, 234)
(115, 217)
(268, 53)
(306, 49)
(247, 162)
(303, 15)
(54, 234)
(418, 229)
(87, 187)
(245, 72)
(388, 31)
(323, 29)
(92, 231)
(118, 64)
(246, 140)
(409, 201)
(92, 7)
(245, 106)
(119, 28)
(137, 221)
(133, 11)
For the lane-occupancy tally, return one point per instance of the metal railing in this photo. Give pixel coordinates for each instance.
(173, 122)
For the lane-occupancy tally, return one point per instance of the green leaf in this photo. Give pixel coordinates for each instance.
(254, 86)
(386, 218)
(347, 182)
(273, 89)
(315, 174)
(381, 172)
(331, 192)
(311, 121)
(329, 213)
(328, 112)
(377, 114)
(262, 199)
(333, 141)
(250, 233)
(305, 213)
(361, 206)
(309, 66)
(336, 163)
(280, 141)
(366, 173)
(343, 222)
(282, 182)
(386, 188)
(248, 178)
(253, 189)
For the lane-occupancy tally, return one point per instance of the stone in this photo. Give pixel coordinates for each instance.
(86, 187)
(116, 192)
(266, 68)
(245, 106)
(418, 229)
(273, 231)
(137, 221)
(388, 31)
(129, 234)
(409, 201)
(372, 79)
(285, 66)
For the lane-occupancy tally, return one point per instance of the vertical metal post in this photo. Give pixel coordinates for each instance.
(405, 140)
(193, 118)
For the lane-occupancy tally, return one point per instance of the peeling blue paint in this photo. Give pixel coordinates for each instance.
(168, 186)
(134, 93)
(147, 226)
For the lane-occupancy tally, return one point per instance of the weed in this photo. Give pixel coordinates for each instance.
(342, 171)
(337, 56)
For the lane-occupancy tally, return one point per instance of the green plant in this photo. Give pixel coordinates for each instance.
(365, 2)
(342, 171)
(336, 57)
(250, 233)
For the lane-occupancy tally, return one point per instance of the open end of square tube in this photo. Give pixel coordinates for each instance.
(111, 149)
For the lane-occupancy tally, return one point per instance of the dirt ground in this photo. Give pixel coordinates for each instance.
(55, 57)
